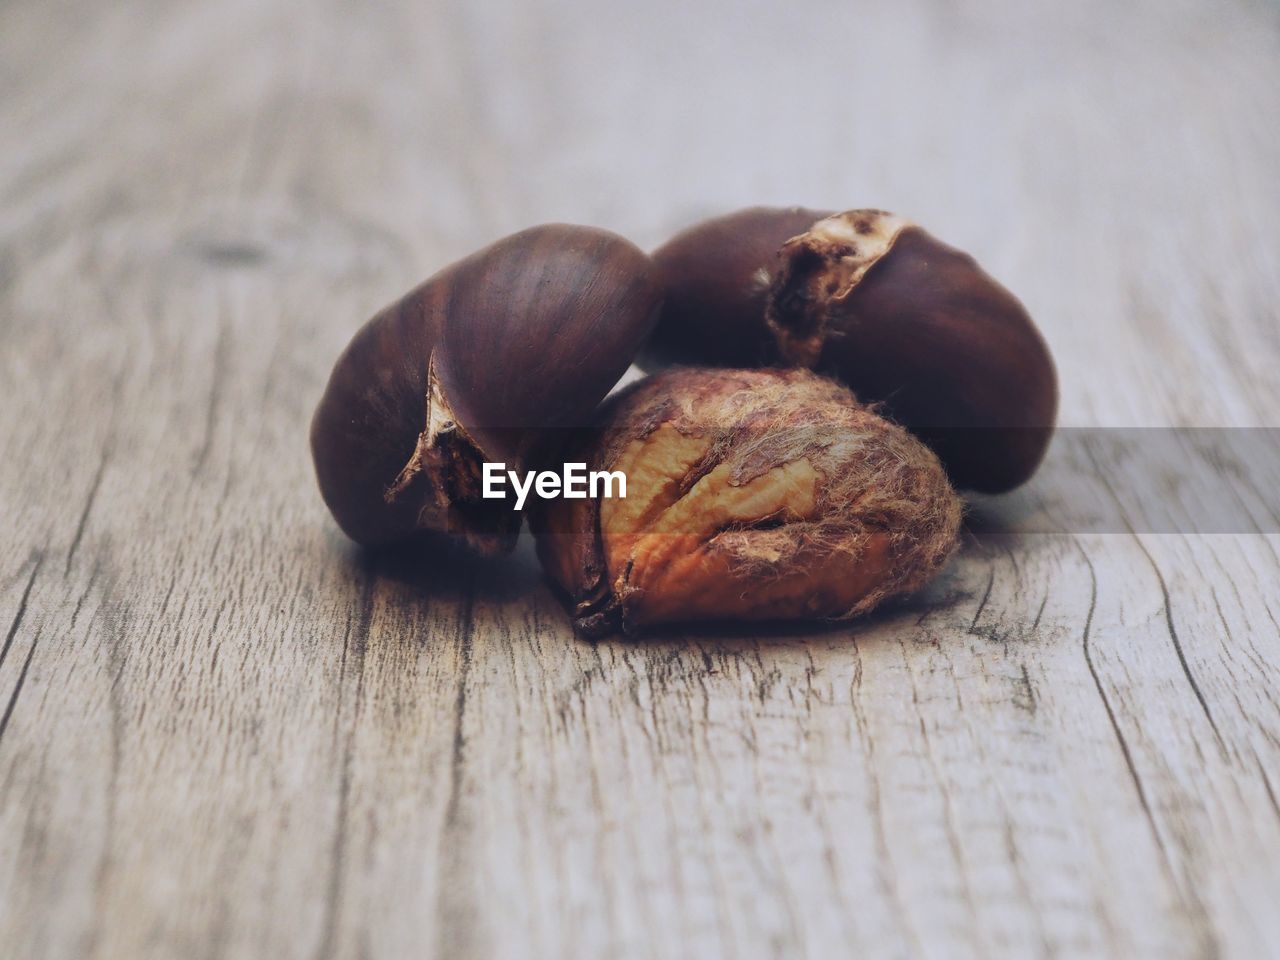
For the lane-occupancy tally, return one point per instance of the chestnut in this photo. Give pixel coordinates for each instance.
(870, 298)
(476, 365)
(751, 494)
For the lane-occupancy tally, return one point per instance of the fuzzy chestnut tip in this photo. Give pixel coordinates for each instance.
(752, 495)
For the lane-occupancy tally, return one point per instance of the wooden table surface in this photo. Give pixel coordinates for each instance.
(225, 732)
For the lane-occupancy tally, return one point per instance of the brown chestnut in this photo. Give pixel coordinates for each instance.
(908, 322)
(751, 494)
(476, 365)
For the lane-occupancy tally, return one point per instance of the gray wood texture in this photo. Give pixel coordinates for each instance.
(224, 732)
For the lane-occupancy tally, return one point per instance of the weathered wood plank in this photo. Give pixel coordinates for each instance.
(224, 732)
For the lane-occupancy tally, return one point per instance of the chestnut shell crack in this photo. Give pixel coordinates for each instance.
(818, 271)
(796, 308)
(445, 467)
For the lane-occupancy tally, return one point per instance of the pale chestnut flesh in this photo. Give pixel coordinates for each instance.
(752, 495)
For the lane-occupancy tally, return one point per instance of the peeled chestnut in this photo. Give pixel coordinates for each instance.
(475, 365)
(908, 322)
(751, 494)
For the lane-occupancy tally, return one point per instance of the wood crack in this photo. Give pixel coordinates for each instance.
(88, 508)
(457, 915)
(22, 608)
(1177, 645)
(357, 636)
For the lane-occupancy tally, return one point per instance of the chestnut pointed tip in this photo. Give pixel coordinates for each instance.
(819, 269)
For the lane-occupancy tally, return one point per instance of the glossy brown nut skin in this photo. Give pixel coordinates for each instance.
(875, 301)
(477, 364)
(714, 309)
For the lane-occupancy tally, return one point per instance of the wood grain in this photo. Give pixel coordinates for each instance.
(224, 732)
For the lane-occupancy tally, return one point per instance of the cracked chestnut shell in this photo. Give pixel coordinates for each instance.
(751, 494)
(875, 301)
(477, 364)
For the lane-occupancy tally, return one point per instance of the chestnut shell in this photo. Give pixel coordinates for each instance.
(717, 277)
(477, 364)
(905, 320)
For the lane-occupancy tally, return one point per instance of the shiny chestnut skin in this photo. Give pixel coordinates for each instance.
(477, 364)
(906, 321)
(716, 296)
